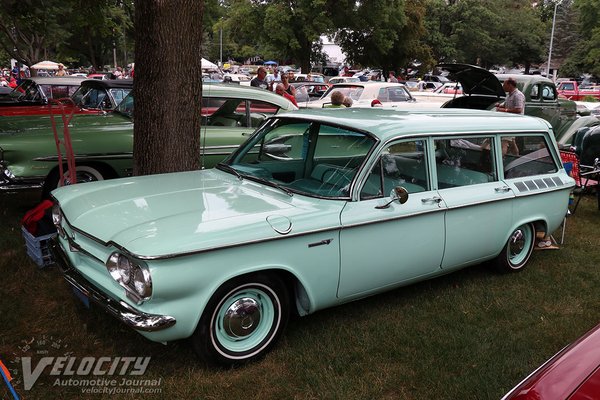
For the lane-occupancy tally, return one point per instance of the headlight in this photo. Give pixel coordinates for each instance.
(57, 218)
(134, 277)
(142, 282)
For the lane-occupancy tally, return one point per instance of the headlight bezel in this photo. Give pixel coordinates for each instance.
(131, 274)
(57, 219)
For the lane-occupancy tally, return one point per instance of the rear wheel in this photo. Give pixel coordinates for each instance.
(243, 320)
(517, 251)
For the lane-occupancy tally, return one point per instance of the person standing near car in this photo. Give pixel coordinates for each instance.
(285, 80)
(61, 70)
(515, 100)
(280, 90)
(259, 80)
(392, 78)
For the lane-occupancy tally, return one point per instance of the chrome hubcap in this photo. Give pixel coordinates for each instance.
(242, 317)
(517, 242)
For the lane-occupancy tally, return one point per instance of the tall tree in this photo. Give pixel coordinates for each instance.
(30, 31)
(98, 28)
(382, 33)
(585, 57)
(168, 38)
(292, 27)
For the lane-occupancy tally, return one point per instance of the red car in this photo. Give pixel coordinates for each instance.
(573, 373)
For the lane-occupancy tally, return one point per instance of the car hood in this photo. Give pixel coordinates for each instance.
(474, 80)
(173, 214)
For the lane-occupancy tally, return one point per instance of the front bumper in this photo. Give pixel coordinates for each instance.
(131, 317)
(8, 185)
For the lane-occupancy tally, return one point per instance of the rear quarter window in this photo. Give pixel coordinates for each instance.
(532, 157)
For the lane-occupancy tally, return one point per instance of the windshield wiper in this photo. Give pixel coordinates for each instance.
(272, 184)
(227, 167)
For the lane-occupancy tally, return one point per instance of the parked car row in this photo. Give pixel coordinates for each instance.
(103, 142)
(281, 225)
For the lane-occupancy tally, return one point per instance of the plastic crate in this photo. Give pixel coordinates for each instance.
(37, 248)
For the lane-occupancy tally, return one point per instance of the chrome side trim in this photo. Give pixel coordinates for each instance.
(328, 229)
(122, 311)
(79, 157)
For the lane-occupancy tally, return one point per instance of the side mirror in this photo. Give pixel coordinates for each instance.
(398, 194)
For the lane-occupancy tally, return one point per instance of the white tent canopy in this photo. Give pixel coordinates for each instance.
(208, 65)
(45, 65)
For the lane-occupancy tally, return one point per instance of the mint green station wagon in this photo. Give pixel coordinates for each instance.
(316, 209)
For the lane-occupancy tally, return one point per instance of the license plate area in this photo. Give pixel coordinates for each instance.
(83, 297)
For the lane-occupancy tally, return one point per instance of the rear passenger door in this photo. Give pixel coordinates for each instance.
(383, 246)
(479, 206)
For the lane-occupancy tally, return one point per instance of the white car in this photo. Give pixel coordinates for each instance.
(363, 94)
(241, 79)
(342, 79)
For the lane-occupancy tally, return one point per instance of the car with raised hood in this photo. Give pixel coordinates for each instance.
(483, 89)
(316, 209)
(103, 142)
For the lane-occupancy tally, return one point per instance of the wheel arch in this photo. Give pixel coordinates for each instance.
(53, 174)
(298, 294)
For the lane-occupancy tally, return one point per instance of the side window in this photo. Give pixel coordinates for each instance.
(223, 112)
(259, 110)
(532, 158)
(535, 92)
(548, 93)
(568, 86)
(464, 161)
(400, 164)
(58, 92)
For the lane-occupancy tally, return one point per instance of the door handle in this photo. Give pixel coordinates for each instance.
(502, 189)
(432, 200)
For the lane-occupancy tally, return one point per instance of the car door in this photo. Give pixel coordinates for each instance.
(383, 243)
(479, 206)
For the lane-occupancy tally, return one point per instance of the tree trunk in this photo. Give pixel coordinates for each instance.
(167, 85)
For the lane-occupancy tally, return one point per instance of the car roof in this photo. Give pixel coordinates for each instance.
(390, 123)
(109, 83)
(57, 80)
(233, 90)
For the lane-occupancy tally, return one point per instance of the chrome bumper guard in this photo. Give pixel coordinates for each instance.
(122, 311)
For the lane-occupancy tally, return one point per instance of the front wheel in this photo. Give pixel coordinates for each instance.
(84, 173)
(242, 320)
(517, 251)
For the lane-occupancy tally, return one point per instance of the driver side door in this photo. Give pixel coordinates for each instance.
(385, 244)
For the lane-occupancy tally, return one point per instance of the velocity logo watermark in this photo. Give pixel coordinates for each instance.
(72, 366)
(93, 375)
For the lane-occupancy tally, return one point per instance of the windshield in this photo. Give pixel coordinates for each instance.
(27, 90)
(352, 91)
(126, 106)
(305, 157)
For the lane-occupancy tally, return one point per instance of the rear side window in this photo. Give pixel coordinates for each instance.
(532, 157)
(548, 93)
(464, 161)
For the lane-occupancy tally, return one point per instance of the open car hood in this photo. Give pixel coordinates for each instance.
(474, 80)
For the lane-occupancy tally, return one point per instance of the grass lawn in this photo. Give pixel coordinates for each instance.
(472, 334)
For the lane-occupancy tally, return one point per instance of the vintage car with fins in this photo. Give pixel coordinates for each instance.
(103, 142)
